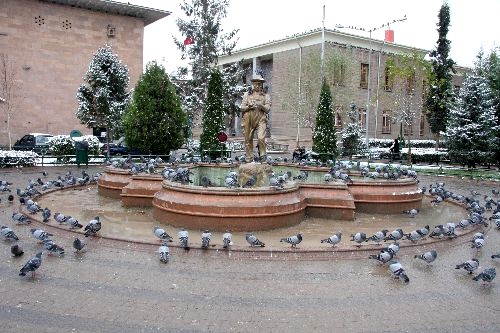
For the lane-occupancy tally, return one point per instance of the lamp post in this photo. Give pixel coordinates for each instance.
(340, 26)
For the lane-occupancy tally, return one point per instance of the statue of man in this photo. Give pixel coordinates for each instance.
(255, 107)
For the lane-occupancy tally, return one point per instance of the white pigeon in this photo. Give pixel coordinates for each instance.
(183, 238)
(227, 239)
(206, 237)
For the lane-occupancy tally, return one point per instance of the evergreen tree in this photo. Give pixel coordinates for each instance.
(104, 97)
(324, 136)
(213, 117)
(351, 137)
(204, 42)
(492, 74)
(472, 125)
(155, 121)
(440, 91)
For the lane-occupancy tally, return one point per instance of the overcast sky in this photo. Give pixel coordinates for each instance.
(473, 23)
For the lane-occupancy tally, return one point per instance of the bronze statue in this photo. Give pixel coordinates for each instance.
(255, 107)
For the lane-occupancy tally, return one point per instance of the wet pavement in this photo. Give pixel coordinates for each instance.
(117, 286)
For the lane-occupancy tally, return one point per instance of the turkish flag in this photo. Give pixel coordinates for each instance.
(188, 41)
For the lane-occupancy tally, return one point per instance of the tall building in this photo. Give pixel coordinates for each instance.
(49, 44)
(356, 69)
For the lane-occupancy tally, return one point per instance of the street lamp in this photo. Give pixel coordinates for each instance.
(340, 26)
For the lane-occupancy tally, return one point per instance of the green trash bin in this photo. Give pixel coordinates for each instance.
(82, 153)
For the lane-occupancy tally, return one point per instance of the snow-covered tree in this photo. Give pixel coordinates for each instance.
(155, 121)
(213, 117)
(202, 43)
(324, 136)
(104, 95)
(492, 74)
(351, 137)
(440, 90)
(472, 127)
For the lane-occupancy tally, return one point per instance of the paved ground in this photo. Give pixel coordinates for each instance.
(120, 287)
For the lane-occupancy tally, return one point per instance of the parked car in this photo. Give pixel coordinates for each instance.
(36, 142)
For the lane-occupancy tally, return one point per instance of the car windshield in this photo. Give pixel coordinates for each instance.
(42, 140)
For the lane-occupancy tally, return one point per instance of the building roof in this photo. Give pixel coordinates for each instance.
(148, 15)
(313, 37)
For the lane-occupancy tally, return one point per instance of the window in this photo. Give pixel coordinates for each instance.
(408, 129)
(388, 80)
(386, 122)
(339, 74)
(363, 83)
(338, 117)
(410, 84)
(362, 120)
(422, 125)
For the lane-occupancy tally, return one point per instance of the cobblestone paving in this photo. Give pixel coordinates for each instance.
(119, 287)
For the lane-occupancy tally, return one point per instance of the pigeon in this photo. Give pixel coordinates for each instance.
(162, 234)
(495, 256)
(425, 230)
(40, 234)
(164, 253)
(78, 244)
(32, 265)
(21, 218)
(359, 238)
(412, 212)
(294, 240)
(428, 256)
(487, 275)
(8, 234)
(52, 247)
(73, 223)
(383, 257)
(253, 241)
(334, 239)
(46, 214)
(61, 218)
(206, 237)
(183, 238)
(92, 227)
(478, 243)
(378, 236)
(16, 250)
(469, 265)
(10, 198)
(414, 236)
(438, 231)
(226, 239)
(395, 235)
(398, 271)
(206, 182)
(450, 230)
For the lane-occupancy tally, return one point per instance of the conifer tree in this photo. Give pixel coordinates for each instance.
(351, 137)
(440, 90)
(473, 125)
(155, 121)
(324, 136)
(213, 117)
(492, 74)
(104, 96)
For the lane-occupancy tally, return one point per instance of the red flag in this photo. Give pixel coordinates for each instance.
(188, 41)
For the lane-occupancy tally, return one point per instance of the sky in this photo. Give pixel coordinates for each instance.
(472, 23)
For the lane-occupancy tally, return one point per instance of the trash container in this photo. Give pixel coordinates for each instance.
(82, 153)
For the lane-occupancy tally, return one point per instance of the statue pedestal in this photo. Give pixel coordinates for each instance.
(260, 171)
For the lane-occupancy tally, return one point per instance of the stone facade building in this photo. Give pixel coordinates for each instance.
(356, 69)
(49, 45)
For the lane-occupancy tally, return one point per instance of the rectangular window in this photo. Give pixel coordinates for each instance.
(363, 82)
(388, 80)
(362, 120)
(339, 74)
(408, 129)
(422, 125)
(386, 122)
(338, 117)
(410, 84)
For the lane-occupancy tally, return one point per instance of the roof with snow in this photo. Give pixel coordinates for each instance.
(148, 15)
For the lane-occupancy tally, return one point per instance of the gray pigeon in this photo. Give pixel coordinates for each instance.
(32, 265)
(439, 231)
(93, 227)
(183, 238)
(487, 275)
(40, 234)
(395, 235)
(392, 248)
(383, 257)
(398, 271)
(8, 234)
(206, 237)
(16, 250)
(253, 241)
(227, 239)
(469, 265)
(333, 239)
(428, 257)
(294, 240)
(497, 256)
(73, 223)
(61, 218)
(46, 214)
(378, 236)
(162, 234)
(478, 243)
(78, 244)
(412, 212)
(20, 218)
(359, 238)
(52, 247)
(164, 253)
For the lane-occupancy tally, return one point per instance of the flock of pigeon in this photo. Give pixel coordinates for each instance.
(386, 255)
(26, 197)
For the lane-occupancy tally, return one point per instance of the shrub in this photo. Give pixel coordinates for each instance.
(17, 158)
